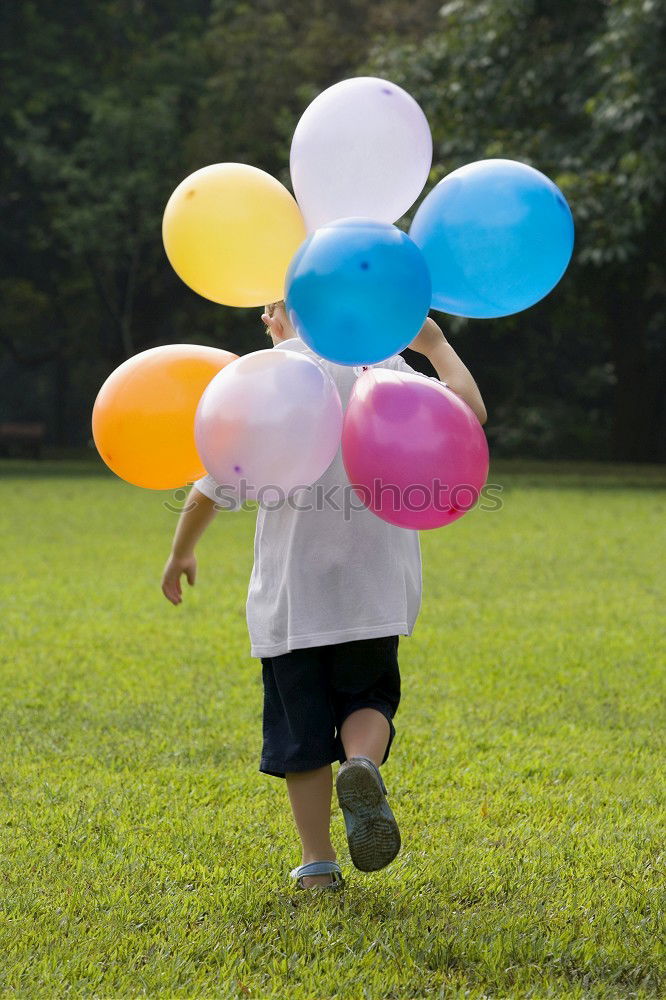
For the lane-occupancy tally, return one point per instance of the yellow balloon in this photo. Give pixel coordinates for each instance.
(230, 231)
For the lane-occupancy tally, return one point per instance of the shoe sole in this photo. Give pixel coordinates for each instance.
(372, 831)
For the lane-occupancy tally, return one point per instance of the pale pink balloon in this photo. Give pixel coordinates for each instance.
(362, 148)
(413, 449)
(274, 420)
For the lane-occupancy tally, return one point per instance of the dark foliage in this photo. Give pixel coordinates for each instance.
(105, 107)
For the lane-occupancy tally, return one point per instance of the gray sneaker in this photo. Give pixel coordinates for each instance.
(372, 832)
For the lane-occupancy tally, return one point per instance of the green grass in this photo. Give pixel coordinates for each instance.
(143, 854)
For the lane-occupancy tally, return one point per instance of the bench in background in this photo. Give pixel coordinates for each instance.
(22, 439)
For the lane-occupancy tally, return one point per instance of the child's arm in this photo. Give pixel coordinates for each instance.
(431, 342)
(197, 514)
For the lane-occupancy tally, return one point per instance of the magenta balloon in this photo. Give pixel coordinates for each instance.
(413, 449)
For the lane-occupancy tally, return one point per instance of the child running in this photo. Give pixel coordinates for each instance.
(332, 589)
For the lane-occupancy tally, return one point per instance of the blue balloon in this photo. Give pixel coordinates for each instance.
(497, 236)
(357, 291)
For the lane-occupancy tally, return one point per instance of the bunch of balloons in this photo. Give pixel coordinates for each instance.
(491, 239)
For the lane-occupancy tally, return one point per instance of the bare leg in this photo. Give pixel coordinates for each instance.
(310, 796)
(365, 733)
(372, 832)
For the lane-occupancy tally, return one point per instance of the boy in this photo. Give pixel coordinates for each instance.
(332, 588)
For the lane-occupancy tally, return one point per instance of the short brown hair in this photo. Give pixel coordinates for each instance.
(270, 309)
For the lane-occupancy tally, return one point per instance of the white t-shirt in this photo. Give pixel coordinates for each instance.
(326, 575)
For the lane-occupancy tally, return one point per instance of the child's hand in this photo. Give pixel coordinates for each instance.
(176, 565)
(428, 338)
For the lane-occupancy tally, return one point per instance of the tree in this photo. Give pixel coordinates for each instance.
(579, 91)
(106, 107)
(94, 107)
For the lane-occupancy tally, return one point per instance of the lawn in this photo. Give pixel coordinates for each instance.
(143, 854)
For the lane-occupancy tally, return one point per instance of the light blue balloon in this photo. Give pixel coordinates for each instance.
(357, 291)
(497, 236)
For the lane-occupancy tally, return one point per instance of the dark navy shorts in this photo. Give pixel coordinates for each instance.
(308, 693)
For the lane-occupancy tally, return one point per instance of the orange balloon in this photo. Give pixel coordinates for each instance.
(143, 417)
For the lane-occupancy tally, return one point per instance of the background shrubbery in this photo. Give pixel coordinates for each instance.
(105, 107)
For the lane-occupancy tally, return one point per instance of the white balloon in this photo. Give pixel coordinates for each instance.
(361, 148)
(274, 419)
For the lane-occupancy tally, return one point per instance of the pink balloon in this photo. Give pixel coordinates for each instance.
(273, 423)
(413, 449)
